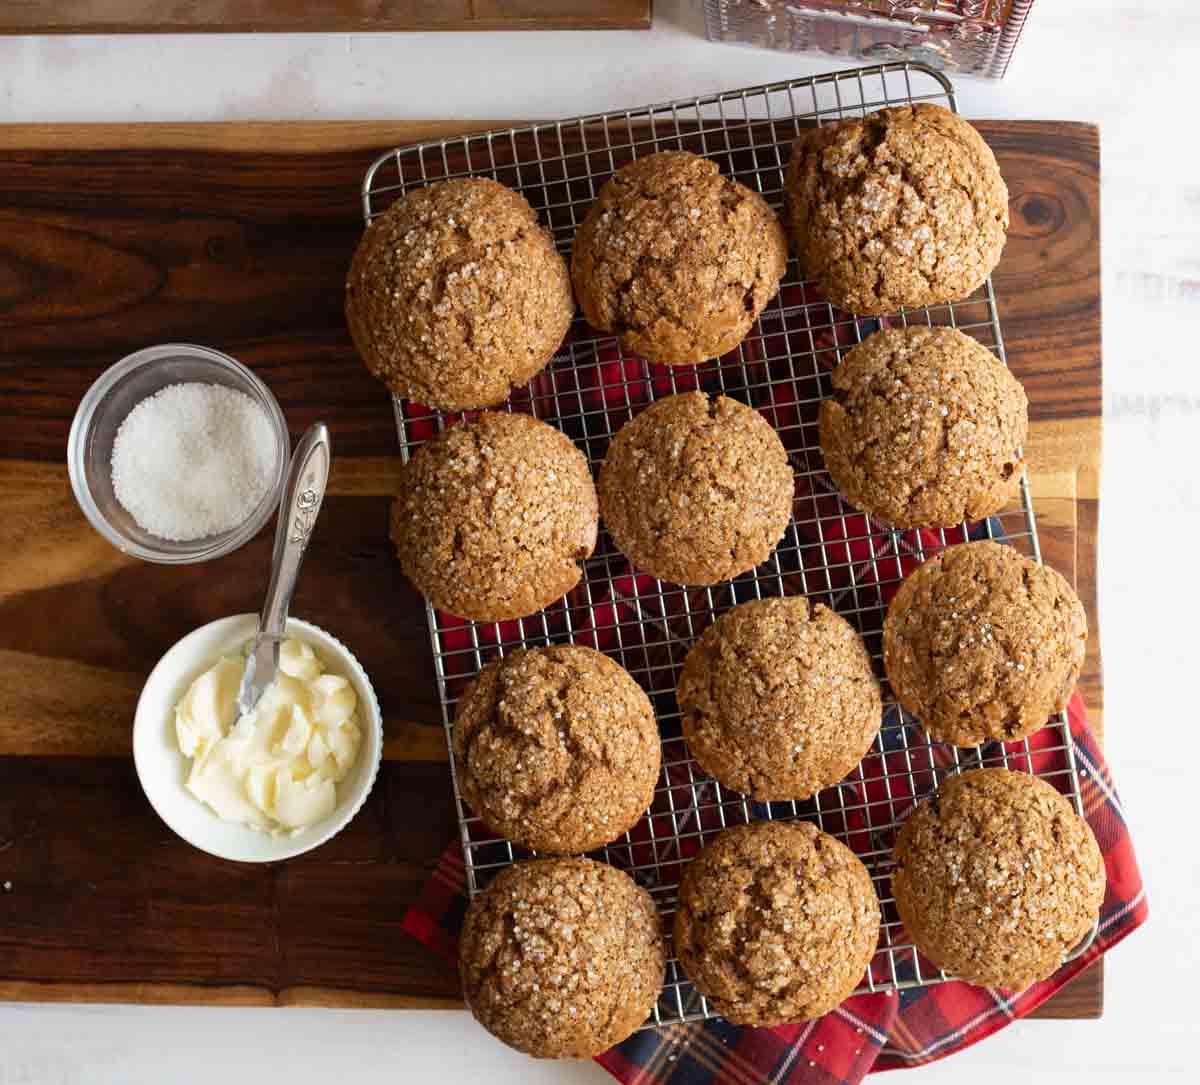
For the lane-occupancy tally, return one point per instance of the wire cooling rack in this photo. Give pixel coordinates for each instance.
(831, 553)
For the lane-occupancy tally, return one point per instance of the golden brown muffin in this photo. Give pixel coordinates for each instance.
(561, 958)
(779, 699)
(925, 428)
(902, 207)
(981, 642)
(777, 922)
(456, 294)
(696, 491)
(556, 748)
(676, 259)
(997, 878)
(493, 517)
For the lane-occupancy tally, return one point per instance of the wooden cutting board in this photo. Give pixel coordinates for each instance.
(173, 17)
(238, 236)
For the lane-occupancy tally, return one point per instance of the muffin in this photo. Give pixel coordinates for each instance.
(902, 207)
(456, 294)
(776, 923)
(493, 517)
(561, 958)
(778, 699)
(677, 260)
(696, 491)
(556, 748)
(997, 878)
(925, 428)
(981, 642)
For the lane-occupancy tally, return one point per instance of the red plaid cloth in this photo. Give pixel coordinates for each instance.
(868, 1032)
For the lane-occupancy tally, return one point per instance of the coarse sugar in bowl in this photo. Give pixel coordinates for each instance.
(178, 454)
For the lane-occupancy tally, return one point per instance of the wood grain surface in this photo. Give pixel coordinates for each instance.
(174, 17)
(111, 239)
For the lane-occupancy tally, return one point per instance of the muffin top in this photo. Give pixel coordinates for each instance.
(556, 748)
(997, 878)
(494, 515)
(696, 491)
(777, 922)
(902, 207)
(456, 294)
(924, 428)
(677, 259)
(779, 699)
(561, 957)
(981, 642)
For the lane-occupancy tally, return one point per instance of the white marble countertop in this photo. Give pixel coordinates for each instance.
(1124, 65)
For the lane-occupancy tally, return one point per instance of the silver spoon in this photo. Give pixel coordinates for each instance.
(308, 474)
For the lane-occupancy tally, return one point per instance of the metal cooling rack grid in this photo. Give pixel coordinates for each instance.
(830, 552)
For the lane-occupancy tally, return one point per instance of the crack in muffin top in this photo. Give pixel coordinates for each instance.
(557, 748)
(561, 957)
(997, 878)
(777, 922)
(981, 642)
(924, 428)
(903, 207)
(677, 259)
(779, 699)
(696, 491)
(456, 294)
(493, 517)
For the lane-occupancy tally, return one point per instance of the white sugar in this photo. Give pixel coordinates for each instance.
(193, 460)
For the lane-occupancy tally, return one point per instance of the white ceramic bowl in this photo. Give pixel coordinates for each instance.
(162, 769)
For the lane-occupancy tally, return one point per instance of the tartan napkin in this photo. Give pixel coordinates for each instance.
(868, 1032)
(779, 369)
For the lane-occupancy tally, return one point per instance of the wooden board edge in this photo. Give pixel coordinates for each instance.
(32, 18)
(1083, 998)
(1080, 1000)
(9, 29)
(297, 136)
(283, 137)
(182, 994)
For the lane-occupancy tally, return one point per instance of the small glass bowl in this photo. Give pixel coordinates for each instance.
(104, 408)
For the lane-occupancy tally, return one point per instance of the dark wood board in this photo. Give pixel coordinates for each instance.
(220, 16)
(115, 237)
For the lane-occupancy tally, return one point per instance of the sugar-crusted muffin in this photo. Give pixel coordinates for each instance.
(561, 958)
(924, 428)
(777, 922)
(676, 259)
(456, 294)
(779, 699)
(696, 491)
(997, 878)
(556, 748)
(493, 517)
(901, 207)
(981, 642)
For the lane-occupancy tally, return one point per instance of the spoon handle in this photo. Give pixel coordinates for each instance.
(303, 493)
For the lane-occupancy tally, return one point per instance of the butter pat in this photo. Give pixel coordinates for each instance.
(275, 769)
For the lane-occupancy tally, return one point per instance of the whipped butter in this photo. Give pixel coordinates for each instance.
(275, 769)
